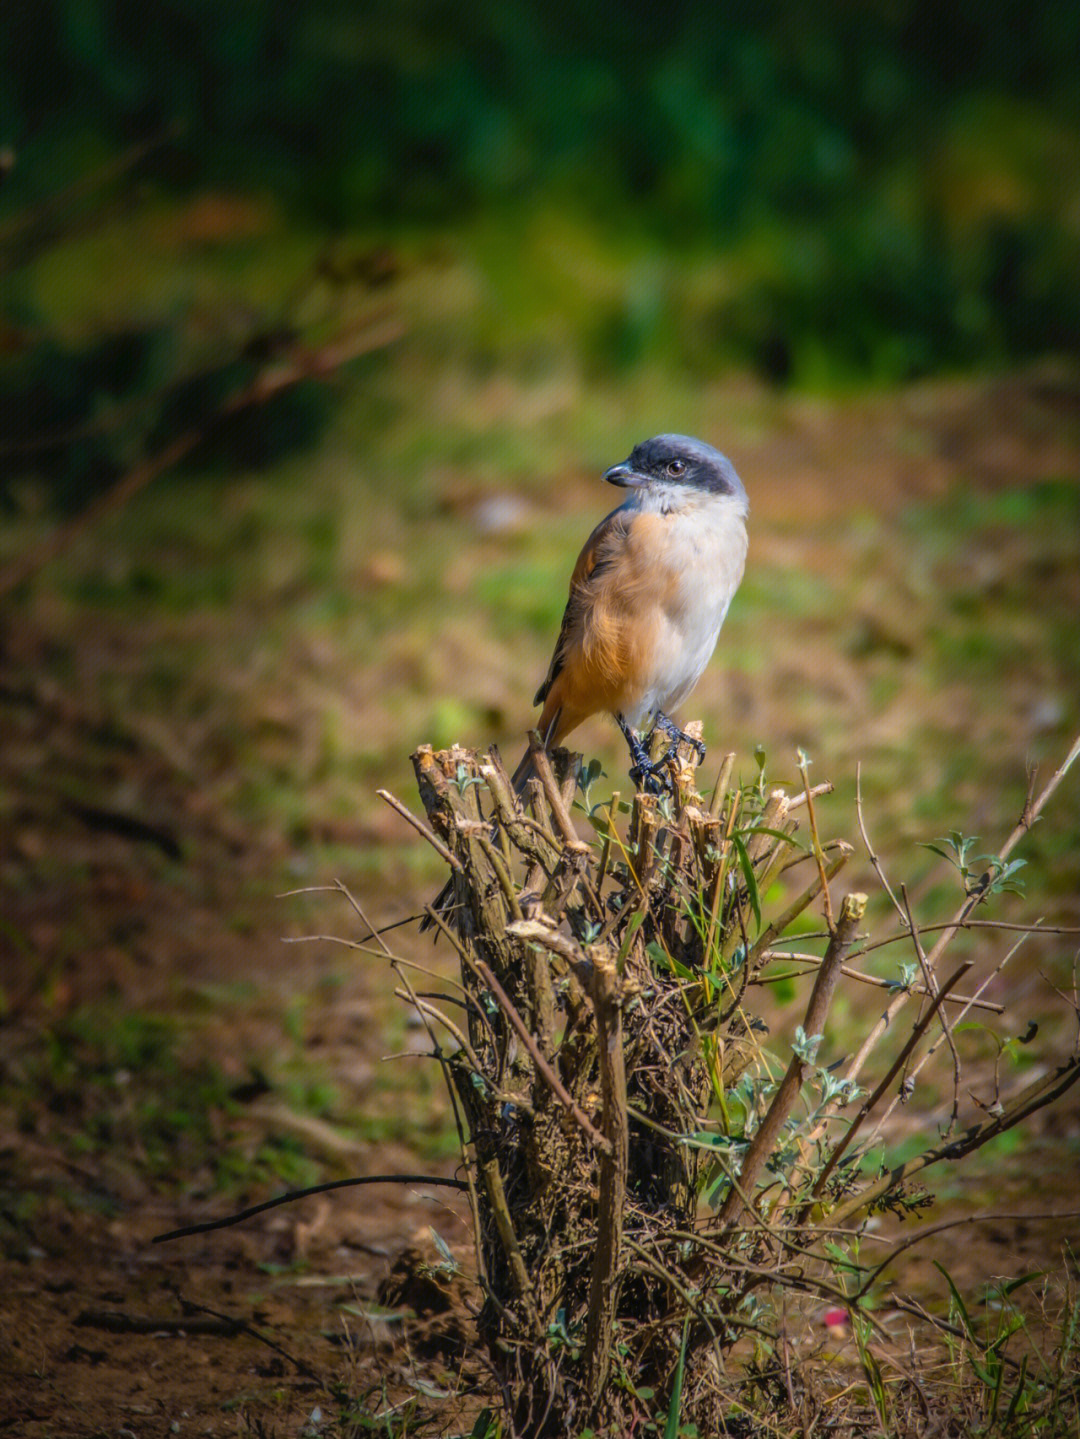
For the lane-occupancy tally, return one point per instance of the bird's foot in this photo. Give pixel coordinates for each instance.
(679, 736)
(648, 774)
(651, 777)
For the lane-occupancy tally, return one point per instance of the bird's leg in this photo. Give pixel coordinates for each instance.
(672, 729)
(643, 771)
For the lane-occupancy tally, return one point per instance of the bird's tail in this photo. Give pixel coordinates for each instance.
(523, 774)
(549, 734)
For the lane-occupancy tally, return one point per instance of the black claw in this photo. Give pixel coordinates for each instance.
(679, 736)
(649, 778)
(649, 775)
(652, 775)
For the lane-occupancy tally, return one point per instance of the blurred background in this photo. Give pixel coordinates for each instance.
(318, 325)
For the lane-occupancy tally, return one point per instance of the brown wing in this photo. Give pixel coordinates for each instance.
(597, 553)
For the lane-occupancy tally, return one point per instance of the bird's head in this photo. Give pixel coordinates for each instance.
(675, 463)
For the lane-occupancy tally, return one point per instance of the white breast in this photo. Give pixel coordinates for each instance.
(705, 554)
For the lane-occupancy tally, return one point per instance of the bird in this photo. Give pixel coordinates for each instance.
(648, 596)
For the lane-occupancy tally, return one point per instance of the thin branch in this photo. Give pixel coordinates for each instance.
(604, 991)
(1037, 1095)
(508, 1007)
(902, 934)
(819, 856)
(871, 855)
(428, 1010)
(774, 930)
(809, 795)
(298, 1364)
(1030, 813)
(800, 957)
(884, 1119)
(917, 1237)
(932, 985)
(295, 1194)
(537, 932)
(358, 910)
(121, 1321)
(553, 795)
(894, 1069)
(489, 1170)
(723, 779)
(421, 828)
(764, 1141)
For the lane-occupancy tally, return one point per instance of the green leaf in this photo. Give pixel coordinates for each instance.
(805, 1045)
(671, 1428)
(483, 1428)
(1016, 1404)
(666, 962)
(444, 1249)
(775, 834)
(1012, 1285)
(633, 925)
(961, 1307)
(747, 867)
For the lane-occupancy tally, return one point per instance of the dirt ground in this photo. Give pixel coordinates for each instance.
(280, 1326)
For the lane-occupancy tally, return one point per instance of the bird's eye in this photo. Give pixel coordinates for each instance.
(676, 468)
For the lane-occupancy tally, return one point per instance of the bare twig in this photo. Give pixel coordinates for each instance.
(294, 1194)
(890, 1074)
(808, 796)
(930, 980)
(772, 931)
(1031, 811)
(1036, 1096)
(1036, 926)
(301, 1368)
(599, 1330)
(421, 828)
(122, 1321)
(870, 854)
(489, 1170)
(918, 1065)
(819, 856)
(800, 957)
(508, 1007)
(720, 789)
(764, 1141)
(925, 1231)
(553, 795)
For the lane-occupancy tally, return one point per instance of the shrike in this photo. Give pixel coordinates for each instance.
(648, 595)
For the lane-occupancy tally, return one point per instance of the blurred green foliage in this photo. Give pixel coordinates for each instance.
(894, 187)
(79, 416)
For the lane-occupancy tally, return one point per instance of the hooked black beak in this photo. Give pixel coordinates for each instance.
(624, 476)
